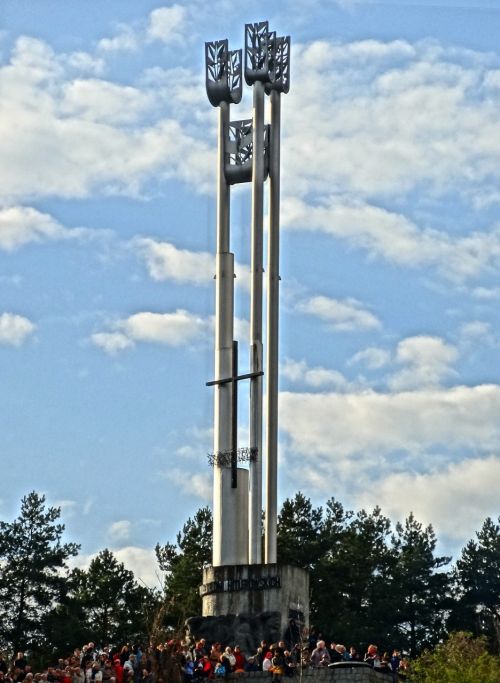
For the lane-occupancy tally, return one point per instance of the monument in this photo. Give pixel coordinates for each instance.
(244, 595)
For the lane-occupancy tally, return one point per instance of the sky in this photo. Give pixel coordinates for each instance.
(390, 261)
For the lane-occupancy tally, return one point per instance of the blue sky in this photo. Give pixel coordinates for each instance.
(390, 381)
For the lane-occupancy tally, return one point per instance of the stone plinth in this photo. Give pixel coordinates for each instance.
(328, 675)
(255, 589)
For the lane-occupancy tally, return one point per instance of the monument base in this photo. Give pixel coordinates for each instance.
(244, 604)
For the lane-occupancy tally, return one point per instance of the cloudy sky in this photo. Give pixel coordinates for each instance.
(390, 381)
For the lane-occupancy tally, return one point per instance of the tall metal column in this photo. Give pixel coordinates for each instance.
(224, 306)
(279, 83)
(272, 356)
(256, 360)
(223, 81)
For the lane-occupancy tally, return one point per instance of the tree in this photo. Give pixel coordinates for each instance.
(421, 590)
(353, 603)
(301, 541)
(32, 579)
(461, 659)
(113, 604)
(478, 579)
(183, 564)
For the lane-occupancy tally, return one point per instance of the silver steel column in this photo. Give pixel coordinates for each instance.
(272, 358)
(225, 542)
(255, 504)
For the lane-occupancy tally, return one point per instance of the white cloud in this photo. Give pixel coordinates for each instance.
(344, 316)
(469, 488)
(376, 424)
(98, 100)
(111, 342)
(20, 225)
(395, 237)
(167, 24)
(171, 329)
(299, 371)
(475, 334)
(166, 262)
(141, 561)
(394, 118)
(427, 360)
(372, 357)
(15, 329)
(86, 135)
(126, 39)
(120, 531)
(199, 485)
(398, 115)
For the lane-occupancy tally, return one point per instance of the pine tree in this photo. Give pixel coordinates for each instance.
(32, 558)
(478, 578)
(114, 605)
(183, 565)
(301, 541)
(420, 590)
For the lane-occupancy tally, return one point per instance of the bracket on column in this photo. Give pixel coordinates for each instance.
(239, 152)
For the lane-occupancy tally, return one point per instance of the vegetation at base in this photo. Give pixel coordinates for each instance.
(371, 581)
(461, 659)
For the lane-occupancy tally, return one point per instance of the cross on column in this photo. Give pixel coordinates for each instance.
(234, 379)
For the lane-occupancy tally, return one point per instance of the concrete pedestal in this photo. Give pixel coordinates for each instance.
(272, 594)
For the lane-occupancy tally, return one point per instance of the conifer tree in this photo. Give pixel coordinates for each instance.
(183, 564)
(32, 559)
(478, 578)
(421, 591)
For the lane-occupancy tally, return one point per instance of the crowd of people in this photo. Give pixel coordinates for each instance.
(281, 659)
(197, 661)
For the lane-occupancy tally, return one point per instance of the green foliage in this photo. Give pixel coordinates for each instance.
(421, 590)
(32, 579)
(478, 580)
(110, 601)
(461, 659)
(183, 565)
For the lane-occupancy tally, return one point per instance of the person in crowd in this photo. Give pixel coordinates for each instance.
(96, 673)
(118, 670)
(77, 675)
(354, 654)
(20, 661)
(320, 656)
(239, 660)
(371, 657)
(267, 661)
(395, 662)
(228, 655)
(215, 654)
(203, 668)
(251, 664)
(278, 664)
(384, 664)
(335, 655)
(312, 638)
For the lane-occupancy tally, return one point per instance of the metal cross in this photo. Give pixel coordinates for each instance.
(235, 378)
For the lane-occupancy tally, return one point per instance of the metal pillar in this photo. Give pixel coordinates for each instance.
(224, 511)
(256, 360)
(242, 156)
(272, 356)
